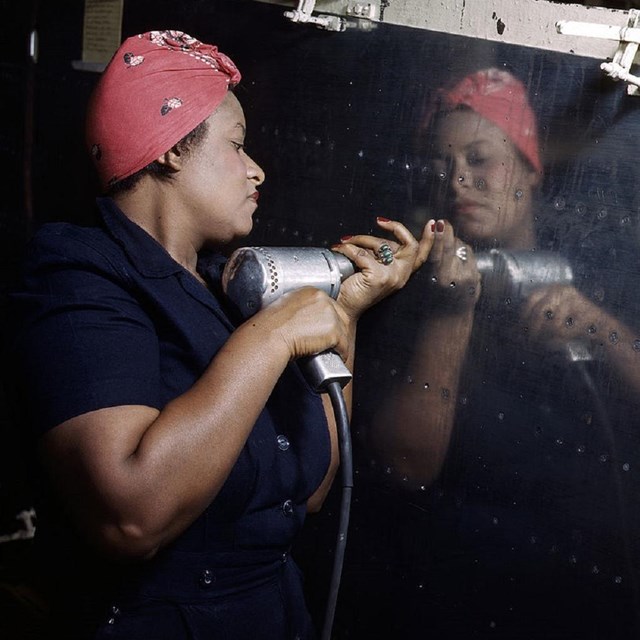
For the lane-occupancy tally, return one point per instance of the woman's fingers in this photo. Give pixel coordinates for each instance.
(409, 247)
(445, 247)
(452, 269)
(403, 236)
(449, 240)
(372, 245)
(425, 245)
(561, 312)
(308, 320)
(405, 246)
(384, 264)
(442, 238)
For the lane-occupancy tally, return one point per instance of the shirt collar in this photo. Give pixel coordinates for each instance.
(147, 255)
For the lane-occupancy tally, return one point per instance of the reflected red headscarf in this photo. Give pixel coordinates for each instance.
(502, 99)
(157, 88)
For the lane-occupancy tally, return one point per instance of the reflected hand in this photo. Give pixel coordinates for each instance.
(558, 314)
(381, 270)
(452, 270)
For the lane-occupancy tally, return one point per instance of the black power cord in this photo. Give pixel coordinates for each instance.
(334, 389)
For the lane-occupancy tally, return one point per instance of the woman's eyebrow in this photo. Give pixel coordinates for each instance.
(477, 142)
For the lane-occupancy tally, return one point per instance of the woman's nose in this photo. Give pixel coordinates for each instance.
(461, 178)
(254, 171)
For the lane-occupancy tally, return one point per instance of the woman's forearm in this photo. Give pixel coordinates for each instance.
(138, 477)
(411, 432)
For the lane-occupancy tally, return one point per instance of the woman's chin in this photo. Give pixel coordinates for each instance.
(478, 236)
(243, 233)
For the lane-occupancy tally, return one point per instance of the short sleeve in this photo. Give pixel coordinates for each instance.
(84, 341)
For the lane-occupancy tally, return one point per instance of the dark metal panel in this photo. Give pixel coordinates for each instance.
(333, 120)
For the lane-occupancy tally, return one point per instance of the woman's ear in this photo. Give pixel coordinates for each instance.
(172, 159)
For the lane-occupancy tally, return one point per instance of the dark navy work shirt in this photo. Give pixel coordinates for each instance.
(109, 318)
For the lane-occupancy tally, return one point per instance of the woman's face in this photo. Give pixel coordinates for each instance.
(220, 180)
(486, 186)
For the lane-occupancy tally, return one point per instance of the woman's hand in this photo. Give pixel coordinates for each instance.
(376, 279)
(451, 270)
(563, 319)
(307, 321)
(559, 314)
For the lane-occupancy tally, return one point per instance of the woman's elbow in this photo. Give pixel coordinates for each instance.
(127, 542)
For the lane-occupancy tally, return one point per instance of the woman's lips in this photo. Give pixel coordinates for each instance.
(465, 207)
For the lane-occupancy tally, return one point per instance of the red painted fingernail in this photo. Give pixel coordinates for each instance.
(382, 219)
(433, 227)
(440, 226)
(345, 238)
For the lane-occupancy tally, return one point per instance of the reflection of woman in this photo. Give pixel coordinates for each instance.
(491, 414)
(183, 450)
(487, 163)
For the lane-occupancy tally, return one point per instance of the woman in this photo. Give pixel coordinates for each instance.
(514, 448)
(181, 449)
(486, 159)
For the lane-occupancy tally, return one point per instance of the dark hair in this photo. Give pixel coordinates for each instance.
(185, 146)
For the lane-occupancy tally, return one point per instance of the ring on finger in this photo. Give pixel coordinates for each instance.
(384, 254)
(461, 252)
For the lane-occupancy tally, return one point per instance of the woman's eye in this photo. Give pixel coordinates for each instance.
(238, 145)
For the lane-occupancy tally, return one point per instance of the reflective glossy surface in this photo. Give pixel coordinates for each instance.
(521, 520)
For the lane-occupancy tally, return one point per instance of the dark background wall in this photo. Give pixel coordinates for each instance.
(332, 119)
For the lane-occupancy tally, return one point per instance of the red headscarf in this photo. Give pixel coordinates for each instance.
(157, 88)
(501, 98)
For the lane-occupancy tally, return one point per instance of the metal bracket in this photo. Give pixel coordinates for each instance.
(628, 38)
(27, 518)
(368, 10)
(359, 10)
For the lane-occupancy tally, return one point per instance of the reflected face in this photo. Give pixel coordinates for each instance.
(487, 186)
(221, 179)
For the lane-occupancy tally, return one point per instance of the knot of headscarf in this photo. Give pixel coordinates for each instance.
(207, 53)
(158, 87)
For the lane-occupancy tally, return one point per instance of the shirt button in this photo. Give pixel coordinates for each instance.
(206, 578)
(283, 442)
(287, 508)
